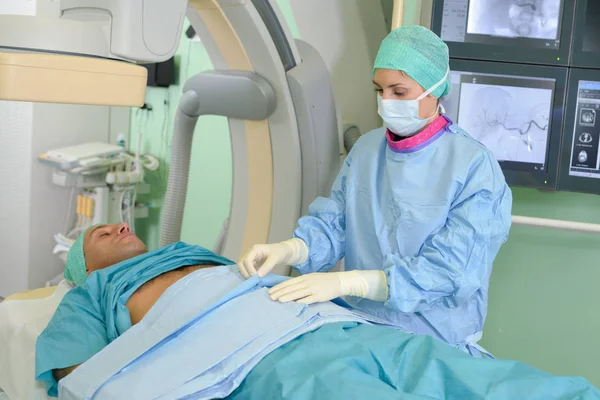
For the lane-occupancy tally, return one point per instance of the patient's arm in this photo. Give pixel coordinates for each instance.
(63, 372)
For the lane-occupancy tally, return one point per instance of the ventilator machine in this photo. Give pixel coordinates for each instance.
(107, 179)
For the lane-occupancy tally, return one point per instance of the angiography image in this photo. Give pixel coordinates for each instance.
(511, 121)
(587, 117)
(536, 19)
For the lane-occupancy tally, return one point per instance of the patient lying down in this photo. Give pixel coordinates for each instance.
(104, 246)
(248, 344)
(107, 245)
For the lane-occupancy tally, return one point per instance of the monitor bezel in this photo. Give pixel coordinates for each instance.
(509, 52)
(579, 57)
(533, 179)
(568, 182)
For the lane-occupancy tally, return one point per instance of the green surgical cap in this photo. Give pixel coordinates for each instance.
(75, 269)
(420, 53)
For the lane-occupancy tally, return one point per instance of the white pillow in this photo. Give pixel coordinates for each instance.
(21, 322)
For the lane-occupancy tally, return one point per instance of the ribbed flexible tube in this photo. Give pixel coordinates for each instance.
(351, 136)
(179, 170)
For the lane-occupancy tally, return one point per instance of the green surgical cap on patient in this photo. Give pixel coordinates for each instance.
(419, 53)
(75, 269)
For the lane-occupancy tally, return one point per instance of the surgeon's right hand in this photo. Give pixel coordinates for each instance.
(262, 258)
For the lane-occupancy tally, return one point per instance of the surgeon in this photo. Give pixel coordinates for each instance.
(419, 210)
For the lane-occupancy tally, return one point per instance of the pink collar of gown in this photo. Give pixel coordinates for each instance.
(414, 143)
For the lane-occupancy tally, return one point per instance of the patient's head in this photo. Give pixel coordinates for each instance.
(100, 247)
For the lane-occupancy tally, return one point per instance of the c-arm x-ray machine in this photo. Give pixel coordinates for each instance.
(275, 91)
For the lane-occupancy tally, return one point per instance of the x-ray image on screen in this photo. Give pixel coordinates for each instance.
(534, 19)
(511, 121)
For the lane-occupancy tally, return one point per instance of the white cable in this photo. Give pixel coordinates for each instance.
(79, 218)
(127, 204)
(187, 62)
(132, 210)
(126, 201)
(68, 219)
(138, 163)
(121, 206)
(137, 154)
(163, 129)
(152, 164)
(165, 150)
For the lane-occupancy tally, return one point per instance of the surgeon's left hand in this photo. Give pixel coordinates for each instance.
(320, 287)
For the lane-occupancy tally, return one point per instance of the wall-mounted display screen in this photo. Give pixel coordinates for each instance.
(585, 158)
(535, 23)
(580, 155)
(512, 110)
(508, 114)
(533, 31)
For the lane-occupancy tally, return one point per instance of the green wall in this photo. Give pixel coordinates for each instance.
(544, 302)
(544, 298)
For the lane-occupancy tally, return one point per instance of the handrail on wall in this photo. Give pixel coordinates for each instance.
(555, 224)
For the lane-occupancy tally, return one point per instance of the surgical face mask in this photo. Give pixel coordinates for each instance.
(402, 116)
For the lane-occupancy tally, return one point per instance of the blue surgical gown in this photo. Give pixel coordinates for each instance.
(433, 219)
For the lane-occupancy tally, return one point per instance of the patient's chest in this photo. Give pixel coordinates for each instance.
(146, 295)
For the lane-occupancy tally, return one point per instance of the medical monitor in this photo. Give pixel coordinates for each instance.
(528, 31)
(580, 155)
(586, 35)
(515, 111)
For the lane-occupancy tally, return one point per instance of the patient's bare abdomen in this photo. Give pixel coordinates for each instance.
(148, 294)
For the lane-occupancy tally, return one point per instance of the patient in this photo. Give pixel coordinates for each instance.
(119, 281)
(136, 284)
(105, 245)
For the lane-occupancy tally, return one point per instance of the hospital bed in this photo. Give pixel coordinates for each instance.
(24, 316)
(260, 340)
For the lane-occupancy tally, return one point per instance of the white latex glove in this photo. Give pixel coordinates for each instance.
(321, 287)
(262, 258)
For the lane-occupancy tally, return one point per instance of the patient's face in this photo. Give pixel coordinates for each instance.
(106, 245)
